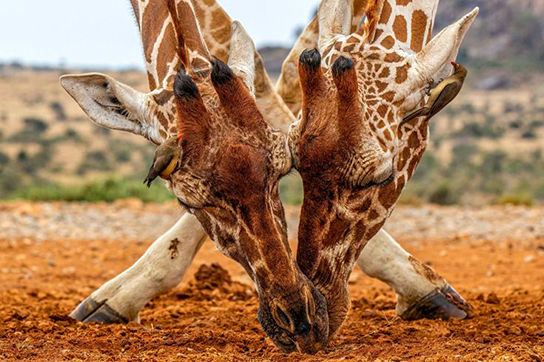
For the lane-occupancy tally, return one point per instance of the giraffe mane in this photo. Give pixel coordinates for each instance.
(372, 12)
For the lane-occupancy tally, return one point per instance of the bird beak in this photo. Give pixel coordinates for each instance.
(454, 64)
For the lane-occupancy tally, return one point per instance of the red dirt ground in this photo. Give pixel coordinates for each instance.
(213, 317)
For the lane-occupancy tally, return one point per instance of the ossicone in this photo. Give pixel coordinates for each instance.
(310, 59)
(184, 86)
(341, 65)
(221, 73)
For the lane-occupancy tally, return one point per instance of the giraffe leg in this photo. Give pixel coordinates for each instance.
(421, 293)
(160, 269)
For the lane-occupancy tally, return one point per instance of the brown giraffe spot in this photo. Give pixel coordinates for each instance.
(382, 144)
(381, 86)
(371, 125)
(381, 124)
(349, 48)
(390, 116)
(379, 32)
(388, 42)
(373, 231)
(377, 67)
(401, 182)
(404, 2)
(387, 135)
(389, 96)
(353, 39)
(153, 20)
(163, 134)
(162, 119)
(402, 74)
(419, 25)
(190, 28)
(413, 141)
(405, 157)
(392, 58)
(371, 102)
(412, 167)
(424, 270)
(388, 196)
(167, 52)
(385, 73)
(359, 234)
(386, 13)
(163, 97)
(173, 248)
(373, 214)
(400, 28)
(151, 81)
(382, 110)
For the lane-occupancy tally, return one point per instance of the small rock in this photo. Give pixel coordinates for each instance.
(529, 259)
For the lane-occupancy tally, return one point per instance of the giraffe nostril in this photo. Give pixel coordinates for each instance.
(282, 318)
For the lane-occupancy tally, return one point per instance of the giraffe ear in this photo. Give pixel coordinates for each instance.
(112, 104)
(433, 61)
(242, 56)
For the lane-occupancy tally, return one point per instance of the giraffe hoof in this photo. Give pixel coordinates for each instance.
(443, 304)
(90, 311)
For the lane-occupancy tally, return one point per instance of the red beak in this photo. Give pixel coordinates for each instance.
(454, 64)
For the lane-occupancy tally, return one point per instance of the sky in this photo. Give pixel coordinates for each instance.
(103, 33)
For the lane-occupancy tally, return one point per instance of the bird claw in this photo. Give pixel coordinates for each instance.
(431, 85)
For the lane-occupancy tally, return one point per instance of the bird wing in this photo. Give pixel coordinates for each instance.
(445, 97)
(160, 163)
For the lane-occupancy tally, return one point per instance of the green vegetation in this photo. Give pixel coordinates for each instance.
(291, 189)
(108, 190)
(32, 132)
(94, 161)
(474, 176)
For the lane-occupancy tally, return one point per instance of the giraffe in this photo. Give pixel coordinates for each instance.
(114, 105)
(353, 159)
(230, 164)
(418, 296)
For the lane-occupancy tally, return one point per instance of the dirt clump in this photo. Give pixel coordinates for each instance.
(214, 282)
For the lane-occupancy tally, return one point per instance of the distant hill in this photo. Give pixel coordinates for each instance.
(507, 33)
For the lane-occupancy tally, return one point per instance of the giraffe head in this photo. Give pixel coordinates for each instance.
(228, 177)
(232, 156)
(353, 158)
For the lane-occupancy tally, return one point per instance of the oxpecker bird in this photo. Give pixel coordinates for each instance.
(165, 160)
(441, 95)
